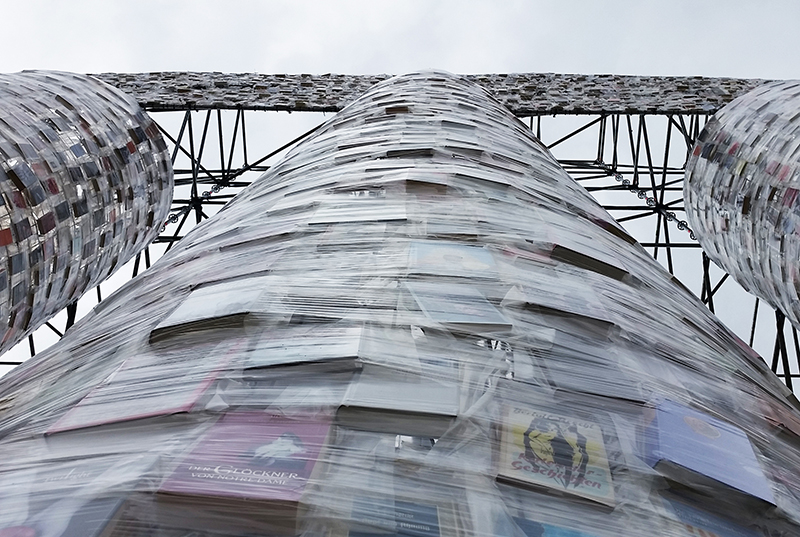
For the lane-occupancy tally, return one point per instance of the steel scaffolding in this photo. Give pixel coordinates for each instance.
(625, 139)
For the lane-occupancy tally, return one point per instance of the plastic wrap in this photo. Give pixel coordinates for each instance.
(415, 324)
(741, 188)
(85, 183)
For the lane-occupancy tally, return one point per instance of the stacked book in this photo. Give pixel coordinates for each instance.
(417, 325)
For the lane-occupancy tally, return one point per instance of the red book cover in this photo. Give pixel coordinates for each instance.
(252, 456)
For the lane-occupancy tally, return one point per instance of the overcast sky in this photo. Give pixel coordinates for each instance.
(709, 38)
(713, 38)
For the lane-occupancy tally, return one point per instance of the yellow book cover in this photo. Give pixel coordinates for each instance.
(558, 453)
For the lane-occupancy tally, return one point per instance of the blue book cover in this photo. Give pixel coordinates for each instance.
(701, 523)
(540, 529)
(681, 442)
(387, 518)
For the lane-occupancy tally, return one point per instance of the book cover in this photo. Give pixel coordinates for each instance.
(251, 456)
(149, 385)
(221, 304)
(532, 528)
(581, 250)
(70, 516)
(350, 210)
(69, 498)
(304, 346)
(386, 517)
(698, 523)
(457, 305)
(451, 259)
(702, 452)
(558, 453)
(400, 404)
(551, 292)
(595, 260)
(780, 416)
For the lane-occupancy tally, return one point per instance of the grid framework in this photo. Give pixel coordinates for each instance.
(624, 138)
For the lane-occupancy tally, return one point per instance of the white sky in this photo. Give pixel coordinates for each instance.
(732, 38)
(713, 38)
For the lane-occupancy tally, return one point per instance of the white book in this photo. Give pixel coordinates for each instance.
(353, 210)
(220, 305)
(399, 404)
(560, 294)
(457, 306)
(329, 347)
(451, 259)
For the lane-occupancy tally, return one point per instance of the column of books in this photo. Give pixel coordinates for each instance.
(416, 324)
(85, 180)
(741, 193)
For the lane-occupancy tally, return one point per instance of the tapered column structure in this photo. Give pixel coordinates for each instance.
(741, 193)
(415, 324)
(85, 184)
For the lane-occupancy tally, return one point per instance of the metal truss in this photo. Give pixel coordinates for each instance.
(632, 162)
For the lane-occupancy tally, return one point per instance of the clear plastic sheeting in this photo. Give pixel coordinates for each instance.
(741, 192)
(415, 324)
(85, 184)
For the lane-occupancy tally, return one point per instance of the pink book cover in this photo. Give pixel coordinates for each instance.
(148, 386)
(252, 456)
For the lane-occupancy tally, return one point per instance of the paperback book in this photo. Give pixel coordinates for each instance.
(222, 305)
(707, 455)
(350, 210)
(532, 528)
(386, 517)
(451, 259)
(699, 523)
(559, 454)
(406, 404)
(457, 306)
(70, 498)
(325, 348)
(148, 386)
(254, 467)
(69, 516)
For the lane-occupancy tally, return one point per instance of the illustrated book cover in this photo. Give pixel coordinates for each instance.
(254, 467)
(559, 454)
(251, 455)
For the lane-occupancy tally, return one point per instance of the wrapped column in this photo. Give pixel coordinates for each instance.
(416, 324)
(741, 193)
(85, 184)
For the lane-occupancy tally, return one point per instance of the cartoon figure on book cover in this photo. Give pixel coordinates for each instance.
(556, 452)
(550, 442)
(281, 452)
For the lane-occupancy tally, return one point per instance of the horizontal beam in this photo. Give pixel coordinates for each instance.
(525, 94)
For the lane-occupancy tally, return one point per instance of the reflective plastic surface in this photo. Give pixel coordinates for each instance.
(85, 183)
(415, 324)
(741, 193)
